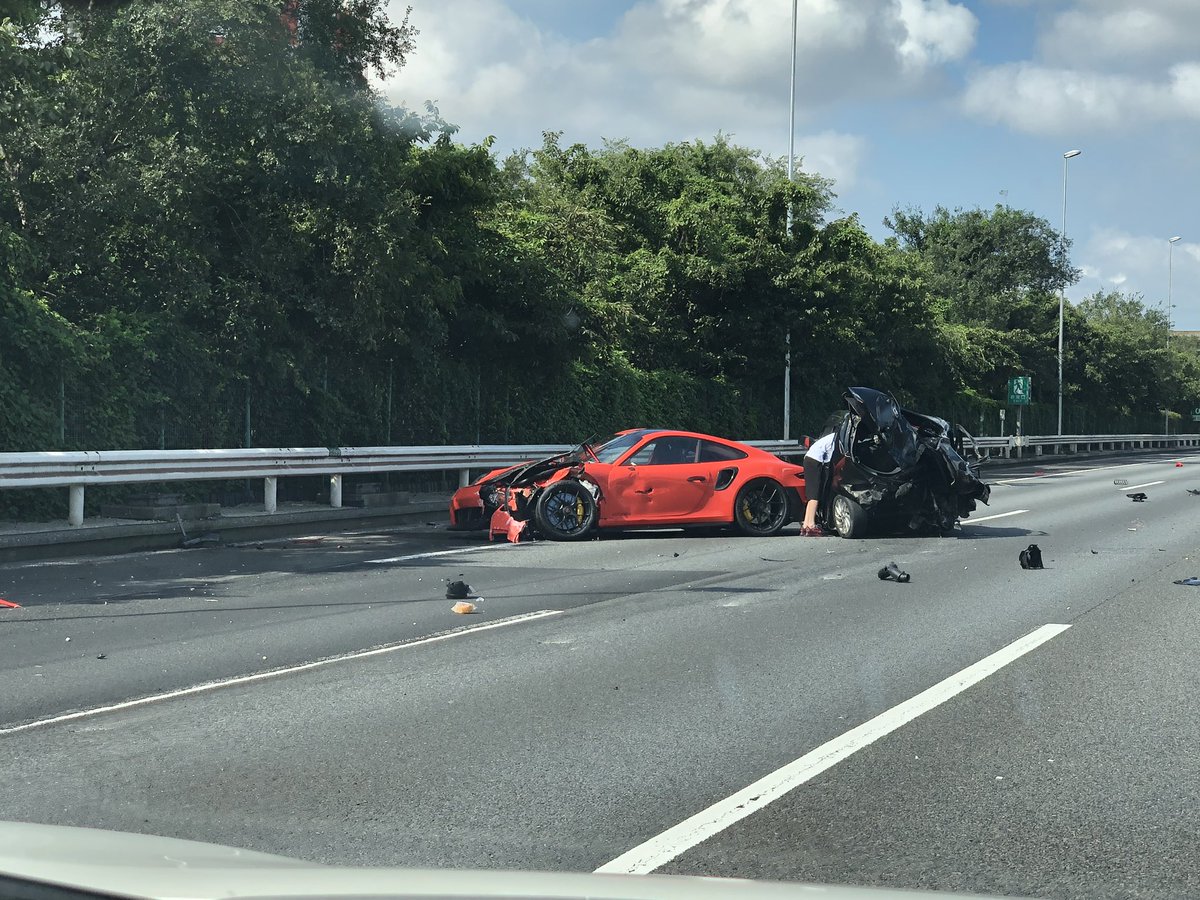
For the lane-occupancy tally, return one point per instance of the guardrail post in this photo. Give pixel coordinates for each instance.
(335, 491)
(269, 485)
(75, 505)
(464, 477)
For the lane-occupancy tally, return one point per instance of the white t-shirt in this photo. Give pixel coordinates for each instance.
(822, 448)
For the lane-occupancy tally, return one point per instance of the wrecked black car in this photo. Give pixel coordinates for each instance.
(898, 471)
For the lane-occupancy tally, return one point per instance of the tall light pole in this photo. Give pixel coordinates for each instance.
(1171, 242)
(1062, 291)
(787, 358)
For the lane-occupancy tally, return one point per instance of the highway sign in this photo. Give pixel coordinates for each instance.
(1019, 390)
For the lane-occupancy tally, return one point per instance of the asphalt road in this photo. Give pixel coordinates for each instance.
(608, 693)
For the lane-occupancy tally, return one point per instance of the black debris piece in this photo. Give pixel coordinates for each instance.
(101, 656)
(892, 572)
(1138, 497)
(458, 590)
(1096, 551)
(1031, 557)
(1193, 491)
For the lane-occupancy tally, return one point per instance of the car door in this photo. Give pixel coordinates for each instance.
(662, 482)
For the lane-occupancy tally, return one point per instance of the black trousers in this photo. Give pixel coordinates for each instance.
(816, 478)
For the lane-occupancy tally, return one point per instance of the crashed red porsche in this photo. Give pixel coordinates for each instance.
(641, 478)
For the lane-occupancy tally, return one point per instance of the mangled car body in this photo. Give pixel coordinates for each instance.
(898, 471)
(641, 478)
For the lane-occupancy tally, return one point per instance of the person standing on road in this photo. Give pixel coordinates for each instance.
(818, 463)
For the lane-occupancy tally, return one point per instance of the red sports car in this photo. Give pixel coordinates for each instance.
(642, 478)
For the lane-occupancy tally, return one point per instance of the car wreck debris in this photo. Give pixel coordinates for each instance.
(458, 590)
(1031, 557)
(892, 572)
(896, 470)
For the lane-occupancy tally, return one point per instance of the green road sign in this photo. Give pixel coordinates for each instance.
(1018, 391)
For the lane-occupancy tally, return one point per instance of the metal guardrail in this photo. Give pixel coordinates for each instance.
(77, 470)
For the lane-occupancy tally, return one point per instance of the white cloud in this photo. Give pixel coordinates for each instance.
(1114, 259)
(675, 70)
(935, 32)
(832, 154)
(1101, 65)
(1122, 33)
(1043, 100)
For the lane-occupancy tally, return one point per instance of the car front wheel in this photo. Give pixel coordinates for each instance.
(565, 511)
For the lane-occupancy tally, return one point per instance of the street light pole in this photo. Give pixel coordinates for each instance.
(1062, 291)
(1171, 242)
(787, 359)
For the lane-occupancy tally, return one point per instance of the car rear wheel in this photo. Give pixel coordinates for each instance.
(760, 508)
(849, 519)
(565, 511)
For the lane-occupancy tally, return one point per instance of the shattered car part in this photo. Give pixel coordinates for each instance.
(639, 478)
(458, 590)
(1031, 557)
(896, 470)
(892, 572)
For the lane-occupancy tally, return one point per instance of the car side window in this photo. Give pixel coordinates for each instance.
(666, 451)
(711, 451)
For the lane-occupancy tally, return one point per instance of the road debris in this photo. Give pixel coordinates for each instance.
(1179, 465)
(1193, 491)
(463, 608)
(892, 572)
(458, 590)
(1138, 497)
(101, 656)
(1121, 482)
(1031, 557)
(8, 604)
(1190, 582)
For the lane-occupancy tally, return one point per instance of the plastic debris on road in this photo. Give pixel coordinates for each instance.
(1031, 557)
(1190, 582)
(8, 604)
(892, 572)
(462, 607)
(458, 590)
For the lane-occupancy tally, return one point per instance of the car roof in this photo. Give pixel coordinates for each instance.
(642, 432)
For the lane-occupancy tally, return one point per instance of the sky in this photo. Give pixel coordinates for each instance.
(903, 103)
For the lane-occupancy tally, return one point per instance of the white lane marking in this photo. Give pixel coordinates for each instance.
(674, 841)
(274, 673)
(1134, 487)
(433, 553)
(1015, 512)
(1070, 472)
